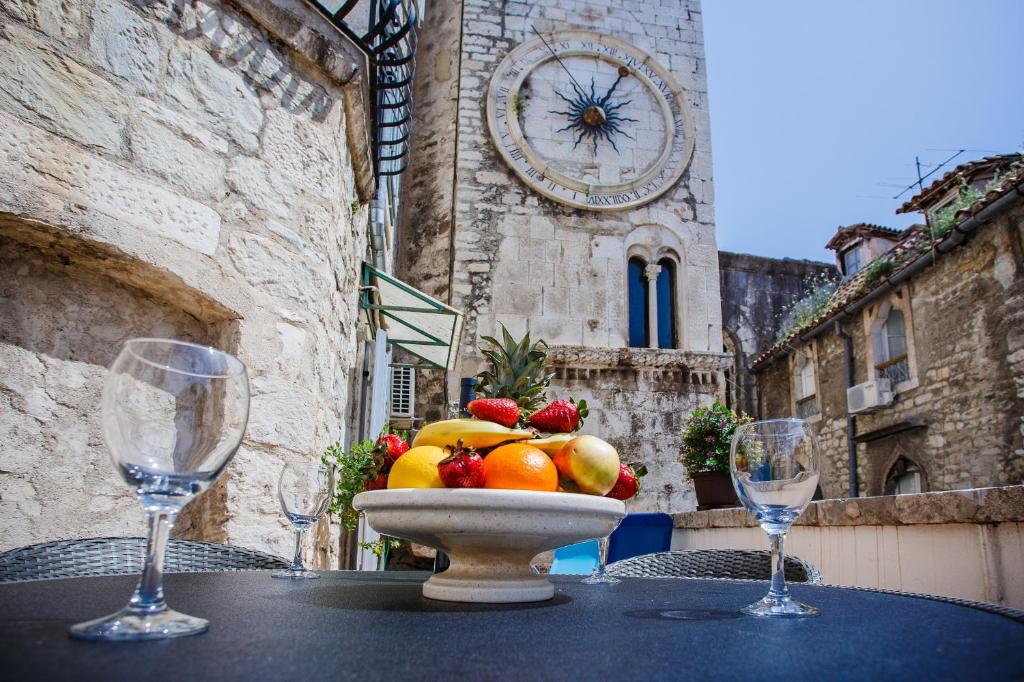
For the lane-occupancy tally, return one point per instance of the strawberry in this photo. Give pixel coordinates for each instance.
(561, 416)
(628, 484)
(463, 468)
(504, 411)
(395, 445)
(379, 483)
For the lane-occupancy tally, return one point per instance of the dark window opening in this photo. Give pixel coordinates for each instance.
(638, 314)
(666, 305)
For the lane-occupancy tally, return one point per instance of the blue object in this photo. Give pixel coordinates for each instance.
(638, 304)
(640, 533)
(578, 559)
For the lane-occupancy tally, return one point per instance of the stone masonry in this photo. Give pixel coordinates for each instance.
(194, 170)
(961, 413)
(478, 238)
(755, 291)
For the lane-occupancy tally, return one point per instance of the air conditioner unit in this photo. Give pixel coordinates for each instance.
(869, 396)
(403, 392)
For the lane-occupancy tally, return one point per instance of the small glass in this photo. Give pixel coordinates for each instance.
(600, 575)
(173, 416)
(304, 491)
(774, 466)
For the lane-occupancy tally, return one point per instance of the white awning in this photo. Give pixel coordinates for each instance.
(415, 322)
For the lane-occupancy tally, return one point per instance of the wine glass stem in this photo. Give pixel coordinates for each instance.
(778, 588)
(149, 594)
(602, 554)
(297, 559)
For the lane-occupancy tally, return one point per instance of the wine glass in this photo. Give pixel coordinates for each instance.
(173, 417)
(600, 575)
(774, 466)
(304, 490)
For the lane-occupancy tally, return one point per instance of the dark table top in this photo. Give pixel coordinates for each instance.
(377, 625)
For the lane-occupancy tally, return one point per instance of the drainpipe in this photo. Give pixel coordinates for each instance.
(378, 209)
(851, 425)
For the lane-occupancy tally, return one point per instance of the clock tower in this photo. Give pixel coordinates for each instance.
(560, 184)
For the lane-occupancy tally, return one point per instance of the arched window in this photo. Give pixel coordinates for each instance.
(639, 322)
(666, 304)
(904, 478)
(891, 358)
(804, 387)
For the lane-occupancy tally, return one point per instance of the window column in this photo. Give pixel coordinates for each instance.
(651, 273)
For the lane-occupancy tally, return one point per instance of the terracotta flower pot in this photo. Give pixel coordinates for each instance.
(714, 490)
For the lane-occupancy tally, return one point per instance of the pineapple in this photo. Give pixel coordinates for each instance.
(517, 372)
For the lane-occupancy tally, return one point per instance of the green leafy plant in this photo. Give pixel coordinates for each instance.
(707, 438)
(942, 220)
(877, 269)
(353, 470)
(819, 289)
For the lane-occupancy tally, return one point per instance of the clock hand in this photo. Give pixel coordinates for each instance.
(623, 72)
(575, 84)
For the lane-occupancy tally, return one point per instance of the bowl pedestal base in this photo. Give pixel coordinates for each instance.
(488, 576)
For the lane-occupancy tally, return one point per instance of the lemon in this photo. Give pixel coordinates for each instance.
(417, 468)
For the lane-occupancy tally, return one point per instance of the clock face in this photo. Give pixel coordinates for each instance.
(590, 121)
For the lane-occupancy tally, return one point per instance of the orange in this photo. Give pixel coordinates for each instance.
(518, 466)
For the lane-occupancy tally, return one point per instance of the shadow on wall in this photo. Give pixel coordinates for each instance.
(66, 306)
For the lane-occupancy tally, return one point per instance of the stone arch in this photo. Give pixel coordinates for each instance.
(733, 385)
(899, 465)
(67, 303)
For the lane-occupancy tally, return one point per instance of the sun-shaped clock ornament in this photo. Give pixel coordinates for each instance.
(590, 121)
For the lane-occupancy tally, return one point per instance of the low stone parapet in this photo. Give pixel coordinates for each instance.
(963, 543)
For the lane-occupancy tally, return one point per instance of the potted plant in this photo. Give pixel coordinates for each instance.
(707, 438)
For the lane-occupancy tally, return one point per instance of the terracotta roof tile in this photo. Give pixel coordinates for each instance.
(850, 232)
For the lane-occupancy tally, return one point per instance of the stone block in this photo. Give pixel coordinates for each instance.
(562, 332)
(45, 163)
(261, 185)
(56, 18)
(125, 44)
(556, 302)
(56, 93)
(166, 153)
(310, 154)
(281, 414)
(276, 271)
(217, 96)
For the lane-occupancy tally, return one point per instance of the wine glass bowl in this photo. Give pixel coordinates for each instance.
(173, 414)
(304, 491)
(775, 470)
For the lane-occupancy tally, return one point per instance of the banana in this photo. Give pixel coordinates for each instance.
(552, 444)
(475, 433)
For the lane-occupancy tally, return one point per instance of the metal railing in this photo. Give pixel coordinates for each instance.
(806, 407)
(896, 370)
(386, 30)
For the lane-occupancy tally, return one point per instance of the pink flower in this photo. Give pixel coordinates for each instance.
(711, 439)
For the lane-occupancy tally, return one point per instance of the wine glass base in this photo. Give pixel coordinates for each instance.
(600, 579)
(131, 625)
(302, 574)
(780, 607)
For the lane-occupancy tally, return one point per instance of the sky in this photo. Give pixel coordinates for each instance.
(819, 107)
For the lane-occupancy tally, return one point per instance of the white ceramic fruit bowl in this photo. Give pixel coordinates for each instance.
(490, 536)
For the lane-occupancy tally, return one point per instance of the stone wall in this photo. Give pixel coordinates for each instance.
(514, 257)
(755, 292)
(961, 418)
(184, 169)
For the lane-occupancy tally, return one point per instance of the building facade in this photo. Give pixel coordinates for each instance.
(561, 184)
(929, 323)
(189, 170)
